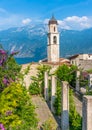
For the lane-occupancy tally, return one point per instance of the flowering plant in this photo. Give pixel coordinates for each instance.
(2, 126)
(9, 69)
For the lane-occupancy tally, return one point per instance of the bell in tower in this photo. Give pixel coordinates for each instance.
(53, 41)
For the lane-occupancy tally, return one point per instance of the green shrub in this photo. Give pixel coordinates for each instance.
(75, 119)
(57, 103)
(34, 88)
(16, 109)
(63, 73)
(49, 124)
(37, 87)
(66, 73)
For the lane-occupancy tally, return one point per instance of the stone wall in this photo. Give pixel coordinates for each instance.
(85, 64)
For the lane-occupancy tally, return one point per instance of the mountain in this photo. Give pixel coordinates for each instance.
(31, 41)
(74, 42)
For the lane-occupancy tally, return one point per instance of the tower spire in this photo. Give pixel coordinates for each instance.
(53, 20)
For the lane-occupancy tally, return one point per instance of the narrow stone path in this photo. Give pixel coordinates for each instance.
(42, 110)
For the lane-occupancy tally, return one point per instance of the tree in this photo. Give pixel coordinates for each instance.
(63, 73)
(66, 73)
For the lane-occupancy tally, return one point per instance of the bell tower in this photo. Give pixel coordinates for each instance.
(53, 41)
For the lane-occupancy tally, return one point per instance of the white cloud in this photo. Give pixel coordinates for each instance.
(10, 21)
(76, 19)
(26, 21)
(63, 25)
(76, 23)
(46, 21)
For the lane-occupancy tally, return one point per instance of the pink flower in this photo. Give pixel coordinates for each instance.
(5, 81)
(2, 126)
(2, 52)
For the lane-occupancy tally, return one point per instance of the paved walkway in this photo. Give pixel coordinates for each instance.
(42, 110)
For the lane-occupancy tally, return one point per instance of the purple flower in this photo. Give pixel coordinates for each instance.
(9, 112)
(5, 81)
(2, 52)
(2, 126)
(3, 57)
(2, 61)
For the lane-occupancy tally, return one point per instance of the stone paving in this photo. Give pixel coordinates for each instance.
(42, 110)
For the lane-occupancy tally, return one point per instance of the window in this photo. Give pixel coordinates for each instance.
(49, 40)
(72, 62)
(54, 29)
(54, 39)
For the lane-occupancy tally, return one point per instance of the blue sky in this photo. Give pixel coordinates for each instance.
(71, 14)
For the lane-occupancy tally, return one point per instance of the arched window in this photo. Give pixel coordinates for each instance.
(49, 40)
(54, 29)
(55, 40)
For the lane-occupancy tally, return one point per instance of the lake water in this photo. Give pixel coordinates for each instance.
(25, 60)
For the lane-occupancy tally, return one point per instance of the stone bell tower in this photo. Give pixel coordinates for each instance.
(53, 41)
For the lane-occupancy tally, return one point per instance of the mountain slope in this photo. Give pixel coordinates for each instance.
(31, 41)
(73, 42)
